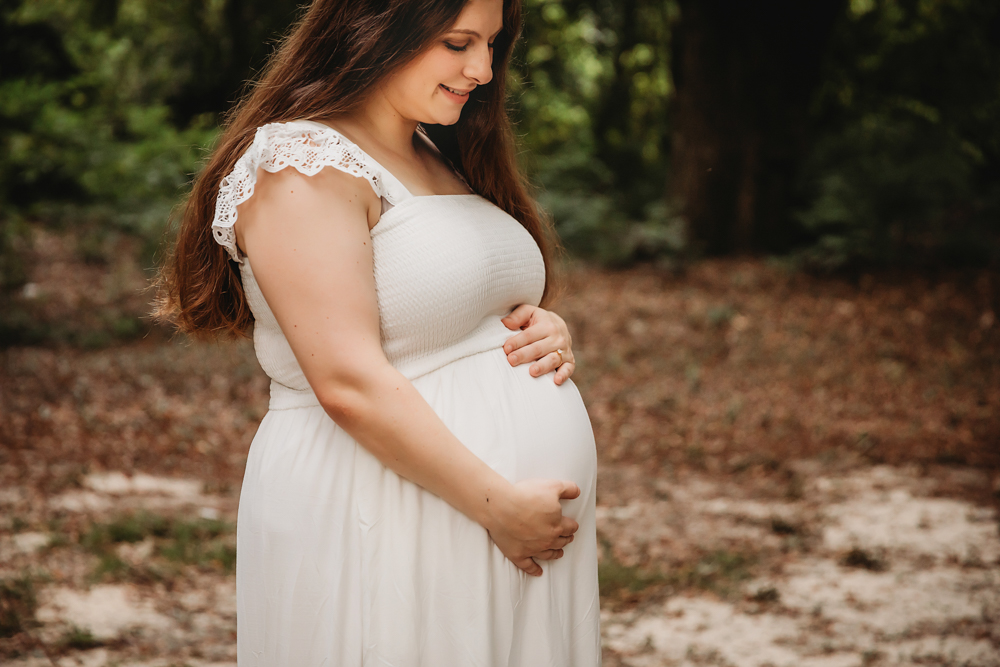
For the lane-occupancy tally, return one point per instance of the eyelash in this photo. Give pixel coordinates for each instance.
(462, 48)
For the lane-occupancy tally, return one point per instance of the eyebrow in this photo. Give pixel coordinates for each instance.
(465, 31)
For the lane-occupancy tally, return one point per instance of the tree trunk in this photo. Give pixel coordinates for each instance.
(744, 73)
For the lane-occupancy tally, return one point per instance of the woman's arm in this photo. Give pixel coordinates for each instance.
(308, 239)
(542, 333)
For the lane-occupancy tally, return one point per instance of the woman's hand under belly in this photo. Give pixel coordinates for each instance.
(529, 522)
(530, 430)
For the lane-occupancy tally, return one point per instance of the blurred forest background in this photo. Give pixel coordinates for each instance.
(834, 134)
(782, 220)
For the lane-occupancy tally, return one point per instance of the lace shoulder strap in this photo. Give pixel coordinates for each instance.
(307, 146)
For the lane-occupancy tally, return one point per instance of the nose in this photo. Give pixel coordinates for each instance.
(480, 66)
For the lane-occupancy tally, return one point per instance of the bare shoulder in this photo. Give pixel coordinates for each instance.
(291, 197)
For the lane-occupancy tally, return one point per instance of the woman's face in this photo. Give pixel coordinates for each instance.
(435, 85)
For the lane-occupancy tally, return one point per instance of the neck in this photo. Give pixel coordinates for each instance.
(379, 124)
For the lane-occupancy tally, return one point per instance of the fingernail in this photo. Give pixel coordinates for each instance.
(512, 358)
(534, 369)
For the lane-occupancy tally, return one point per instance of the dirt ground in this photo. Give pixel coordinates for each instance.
(793, 470)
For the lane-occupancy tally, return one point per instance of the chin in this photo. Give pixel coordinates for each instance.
(444, 118)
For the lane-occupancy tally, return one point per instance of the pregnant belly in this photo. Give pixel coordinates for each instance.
(522, 426)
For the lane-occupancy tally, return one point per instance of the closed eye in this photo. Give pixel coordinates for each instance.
(455, 47)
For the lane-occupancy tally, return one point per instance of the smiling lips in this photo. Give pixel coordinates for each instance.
(462, 94)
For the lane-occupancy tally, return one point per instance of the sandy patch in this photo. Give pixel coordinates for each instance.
(110, 490)
(934, 599)
(106, 611)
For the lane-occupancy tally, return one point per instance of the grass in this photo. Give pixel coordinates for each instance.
(200, 542)
(80, 639)
(205, 543)
(125, 528)
(617, 579)
(720, 572)
(18, 602)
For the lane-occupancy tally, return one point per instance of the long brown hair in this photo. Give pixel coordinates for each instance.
(339, 50)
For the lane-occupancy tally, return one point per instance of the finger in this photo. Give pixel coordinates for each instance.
(568, 526)
(518, 317)
(561, 541)
(564, 372)
(538, 350)
(546, 364)
(529, 335)
(537, 330)
(569, 491)
(553, 361)
(549, 554)
(529, 566)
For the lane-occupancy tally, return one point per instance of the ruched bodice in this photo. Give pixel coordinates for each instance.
(447, 267)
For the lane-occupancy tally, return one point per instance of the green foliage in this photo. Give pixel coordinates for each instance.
(904, 168)
(572, 55)
(894, 193)
(95, 139)
(107, 106)
(578, 191)
(591, 83)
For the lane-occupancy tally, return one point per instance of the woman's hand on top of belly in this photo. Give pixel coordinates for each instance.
(542, 334)
(527, 522)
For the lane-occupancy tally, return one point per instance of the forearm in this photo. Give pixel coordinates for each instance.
(385, 413)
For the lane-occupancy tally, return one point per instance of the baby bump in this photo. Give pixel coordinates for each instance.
(522, 426)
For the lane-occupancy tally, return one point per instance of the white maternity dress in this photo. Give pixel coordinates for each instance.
(341, 562)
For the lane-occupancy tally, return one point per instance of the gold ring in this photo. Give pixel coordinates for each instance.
(560, 353)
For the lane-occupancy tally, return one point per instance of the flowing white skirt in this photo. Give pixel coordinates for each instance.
(342, 563)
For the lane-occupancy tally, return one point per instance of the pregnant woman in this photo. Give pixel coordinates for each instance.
(414, 495)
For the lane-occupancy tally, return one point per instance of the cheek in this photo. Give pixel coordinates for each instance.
(408, 89)
(440, 66)
(420, 79)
